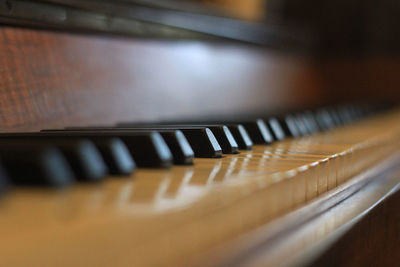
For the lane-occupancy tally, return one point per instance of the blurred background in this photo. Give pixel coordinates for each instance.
(180, 58)
(352, 27)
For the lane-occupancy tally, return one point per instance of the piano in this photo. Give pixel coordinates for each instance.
(163, 133)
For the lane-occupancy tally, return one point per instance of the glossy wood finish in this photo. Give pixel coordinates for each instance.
(171, 217)
(368, 78)
(50, 79)
(336, 229)
(373, 241)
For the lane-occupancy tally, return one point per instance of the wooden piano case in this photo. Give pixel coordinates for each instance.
(55, 79)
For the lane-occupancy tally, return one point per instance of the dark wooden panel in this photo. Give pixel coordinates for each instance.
(371, 78)
(374, 241)
(50, 79)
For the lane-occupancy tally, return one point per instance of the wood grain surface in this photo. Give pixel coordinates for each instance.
(373, 241)
(50, 79)
(361, 78)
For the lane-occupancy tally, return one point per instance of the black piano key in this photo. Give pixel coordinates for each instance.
(83, 157)
(363, 109)
(241, 136)
(276, 129)
(222, 133)
(324, 120)
(358, 112)
(354, 114)
(347, 115)
(307, 123)
(203, 142)
(225, 139)
(337, 121)
(201, 138)
(35, 164)
(301, 125)
(4, 179)
(113, 151)
(289, 126)
(311, 121)
(147, 148)
(258, 131)
(176, 141)
(116, 155)
(178, 144)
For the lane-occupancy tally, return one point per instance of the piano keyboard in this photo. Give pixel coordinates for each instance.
(59, 157)
(226, 179)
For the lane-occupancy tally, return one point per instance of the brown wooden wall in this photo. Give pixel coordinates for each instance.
(50, 79)
(370, 78)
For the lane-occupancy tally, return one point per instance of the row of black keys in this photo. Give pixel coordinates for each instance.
(59, 157)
